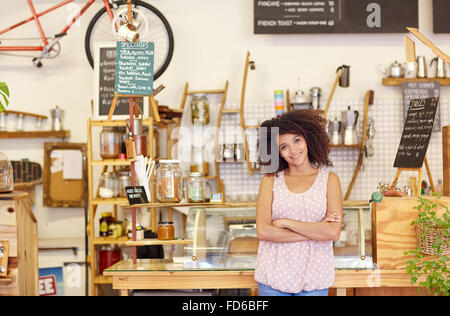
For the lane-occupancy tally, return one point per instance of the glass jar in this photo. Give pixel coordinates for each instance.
(107, 185)
(124, 181)
(200, 109)
(166, 231)
(6, 175)
(110, 143)
(169, 182)
(196, 188)
(105, 221)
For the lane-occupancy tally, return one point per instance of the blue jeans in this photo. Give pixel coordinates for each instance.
(264, 290)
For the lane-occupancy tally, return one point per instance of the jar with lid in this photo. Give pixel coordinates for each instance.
(6, 175)
(200, 109)
(196, 188)
(169, 182)
(105, 221)
(166, 231)
(107, 185)
(110, 142)
(228, 149)
(124, 181)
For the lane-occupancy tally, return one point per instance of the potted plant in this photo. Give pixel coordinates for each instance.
(4, 96)
(430, 259)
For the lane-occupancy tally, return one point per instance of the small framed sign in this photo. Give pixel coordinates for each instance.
(104, 85)
(136, 195)
(134, 68)
(416, 133)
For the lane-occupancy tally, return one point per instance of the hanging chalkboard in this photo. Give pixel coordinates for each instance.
(441, 20)
(335, 16)
(416, 133)
(104, 84)
(422, 90)
(134, 68)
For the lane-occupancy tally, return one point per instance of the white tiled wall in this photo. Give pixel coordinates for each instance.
(387, 114)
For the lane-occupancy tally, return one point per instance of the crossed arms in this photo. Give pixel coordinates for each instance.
(287, 230)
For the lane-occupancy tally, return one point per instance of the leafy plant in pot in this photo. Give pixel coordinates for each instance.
(430, 259)
(6, 172)
(4, 96)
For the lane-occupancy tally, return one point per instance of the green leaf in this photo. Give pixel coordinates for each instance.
(4, 96)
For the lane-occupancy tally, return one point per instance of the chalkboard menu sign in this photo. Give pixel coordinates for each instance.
(134, 68)
(422, 90)
(335, 16)
(441, 20)
(416, 133)
(136, 195)
(104, 84)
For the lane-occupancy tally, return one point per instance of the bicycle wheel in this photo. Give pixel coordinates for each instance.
(155, 28)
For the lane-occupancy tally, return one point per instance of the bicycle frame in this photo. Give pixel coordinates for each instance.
(35, 16)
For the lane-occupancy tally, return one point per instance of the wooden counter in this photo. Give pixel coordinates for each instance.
(150, 274)
(18, 227)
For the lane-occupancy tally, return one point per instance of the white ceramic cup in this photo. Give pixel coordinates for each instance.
(411, 70)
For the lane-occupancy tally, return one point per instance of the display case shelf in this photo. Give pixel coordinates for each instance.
(111, 240)
(155, 242)
(200, 205)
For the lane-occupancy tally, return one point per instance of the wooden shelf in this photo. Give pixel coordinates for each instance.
(252, 126)
(154, 242)
(101, 279)
(111, 162)
(358, 146)
(113, 201)
(217, 91)
(399, 81)
(205, 205)
(35, 134)
(231, 111)
(111, 241)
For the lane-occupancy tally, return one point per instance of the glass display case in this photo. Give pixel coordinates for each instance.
(224, 238)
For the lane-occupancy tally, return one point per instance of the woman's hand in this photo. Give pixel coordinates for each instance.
(280, 223)
(332, 218)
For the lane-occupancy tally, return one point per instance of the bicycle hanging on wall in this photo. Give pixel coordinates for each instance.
(149, 21)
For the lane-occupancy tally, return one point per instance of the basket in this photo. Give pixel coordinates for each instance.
(425, 240)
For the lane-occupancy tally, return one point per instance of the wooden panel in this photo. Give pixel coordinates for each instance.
(9, 286)
(8, 225)
(27, 250)
(390, 291)
(394, 233)
(446, 158)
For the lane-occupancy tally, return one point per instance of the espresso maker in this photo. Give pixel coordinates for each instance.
(349, 122)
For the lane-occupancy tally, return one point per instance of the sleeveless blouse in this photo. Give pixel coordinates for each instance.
(304, 265)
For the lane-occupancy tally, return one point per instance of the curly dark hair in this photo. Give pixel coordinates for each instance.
(301, 122)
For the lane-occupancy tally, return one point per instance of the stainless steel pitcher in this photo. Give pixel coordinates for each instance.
(441, 72)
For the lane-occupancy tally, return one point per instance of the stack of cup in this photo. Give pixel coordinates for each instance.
(279, 102)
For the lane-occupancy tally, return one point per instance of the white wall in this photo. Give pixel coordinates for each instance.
(211, 40)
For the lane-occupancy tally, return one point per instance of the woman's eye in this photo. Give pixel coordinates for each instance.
(283, 147)
(297, 140)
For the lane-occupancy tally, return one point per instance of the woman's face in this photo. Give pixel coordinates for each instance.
(293, 149)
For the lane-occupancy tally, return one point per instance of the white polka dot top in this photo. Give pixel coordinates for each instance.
(299, 266)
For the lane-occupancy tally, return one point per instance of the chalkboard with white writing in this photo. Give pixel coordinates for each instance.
(422, 90)
(441, 19)
(136, 195)
(335, 16)
(104, 84)
(134, 68)
(416, 133)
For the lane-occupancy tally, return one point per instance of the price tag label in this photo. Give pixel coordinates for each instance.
(136, 195)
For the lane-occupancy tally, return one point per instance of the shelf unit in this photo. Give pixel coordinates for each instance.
(224, 93)
(95, 200)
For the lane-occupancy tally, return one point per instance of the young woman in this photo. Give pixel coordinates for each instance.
(299, 210)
